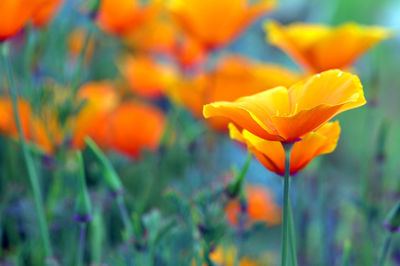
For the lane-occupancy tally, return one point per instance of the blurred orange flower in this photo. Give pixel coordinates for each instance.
(227, 256)
(125, 16)
(215, 23)
(76, 40)
(13, 16)
(272, 155)
(135, 126)
(234, 77)
(158, 36)
(318, 47)
(259, 206)
(146, 76)
(285, 115)
(127, 127)
(34, 130)
(101, 99)
(161, 36)
(45, 12)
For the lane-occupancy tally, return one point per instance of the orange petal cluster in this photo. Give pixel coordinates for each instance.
(216, 23)
(127, 127)
(272, 155)
(318, 47)
(45, 12)
(234, 77)
(44, 133)
(146, 76)
(285, 115)
(125, 16)
(14, 14)
(259, 207)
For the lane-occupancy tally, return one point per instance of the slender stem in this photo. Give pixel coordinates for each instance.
(292, 237)
(34, 180)
(82, 240)
(81, 58)
(385, 250)
(125, 216)
(288, 149)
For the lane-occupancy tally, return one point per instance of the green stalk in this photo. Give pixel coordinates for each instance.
(292, 237)
(81, 58)
(82, 240)
(288, 148)
(385, 250)
(33, 177)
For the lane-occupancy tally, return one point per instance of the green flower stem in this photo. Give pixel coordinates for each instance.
(33, 177)
(82, 240)
(292, 237)
(385, 250)
(125, 215)
(81, 58)
(288, 148)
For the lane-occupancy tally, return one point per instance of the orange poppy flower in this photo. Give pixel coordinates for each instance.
(227, 256)
(101, 99)
(34, 130)
(125, 16)
(272, 155)
(45, 12)
(215, 23)
(260, 206)
(234, 77)
(134, 126)
(156, 36)
(147, 77)
(189, 53)
(76, 40)
(318, 47)
(285, 115)
(14, 14)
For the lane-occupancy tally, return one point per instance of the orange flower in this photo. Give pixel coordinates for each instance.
(13, 16)
(285, 115)
(147, 77)
(34, 130)
(156, 36)
(318, 48)
(125, 16)
(160, 36)
(45, 11)
(76, 40)
(101, 99)
(227, 256)
(134, 126)
(216, 23)
(260, 206)
(233, 78)
(189, 53)
(127, 127)
(272, 155)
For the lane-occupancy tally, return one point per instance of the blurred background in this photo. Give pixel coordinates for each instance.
(137, 96)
